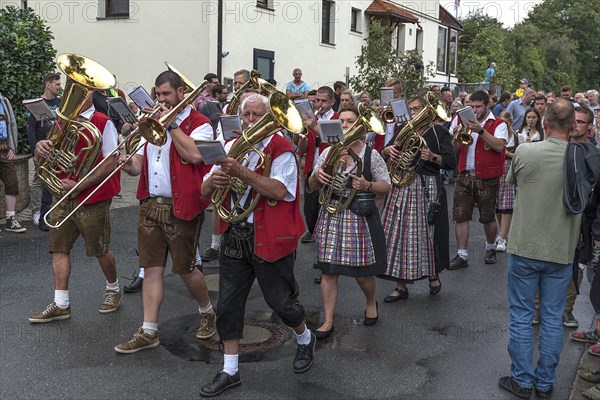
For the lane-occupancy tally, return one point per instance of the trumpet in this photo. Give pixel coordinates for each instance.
(150, 129)
(464, 136)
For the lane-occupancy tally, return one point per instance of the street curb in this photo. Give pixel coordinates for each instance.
(587, 362)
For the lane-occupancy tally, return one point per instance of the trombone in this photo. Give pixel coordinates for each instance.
(150, 129)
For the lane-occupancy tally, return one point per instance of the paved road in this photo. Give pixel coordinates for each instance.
(449, 346)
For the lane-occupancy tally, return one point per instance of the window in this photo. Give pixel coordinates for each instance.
(328, 22)
(452, 52)
(441, 49)
(113, 9)
(264, 62)
(264, 4)
(355, 20)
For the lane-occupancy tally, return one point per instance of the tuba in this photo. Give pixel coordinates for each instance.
(334, 197)
(84, 76)
(282, 114)
(409, 142)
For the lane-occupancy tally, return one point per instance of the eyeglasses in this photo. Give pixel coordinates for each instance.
(581, 122)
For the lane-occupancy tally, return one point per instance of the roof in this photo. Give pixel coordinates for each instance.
(448, 19)
(389, 8)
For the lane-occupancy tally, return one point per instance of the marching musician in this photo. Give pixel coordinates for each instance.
(419, 248)
(92, 221)
(262, 246)
(350, 242)
(479, 167)
(171, 211)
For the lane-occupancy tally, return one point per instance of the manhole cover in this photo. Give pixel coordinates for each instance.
(257, 336)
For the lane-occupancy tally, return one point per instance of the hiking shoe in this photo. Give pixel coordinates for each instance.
(111, 302)
(590, 336)
(536, 317)
(569, 320)
(501, 245)
(490, 256)
(140, 341)
(12, 225)
(207, 325)
(210, 254)
(595, 350)
(592, 393)
(458, 262)
(51, 313)
(590, 376)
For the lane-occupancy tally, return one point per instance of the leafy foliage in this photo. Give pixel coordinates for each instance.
(26, 54)
(379, 61)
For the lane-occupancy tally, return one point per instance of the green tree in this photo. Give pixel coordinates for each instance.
(379, 60)
(26, 54)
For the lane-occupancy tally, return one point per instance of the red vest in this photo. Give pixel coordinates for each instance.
(488, 163)
(113, 186)
(186, 179)
(278, 227)
(311, 146)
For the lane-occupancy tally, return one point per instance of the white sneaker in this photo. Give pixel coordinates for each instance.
(501, 245)
(36, 218)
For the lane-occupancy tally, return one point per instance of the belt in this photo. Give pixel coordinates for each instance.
(242, 224)
(160, 200)
(468, 172)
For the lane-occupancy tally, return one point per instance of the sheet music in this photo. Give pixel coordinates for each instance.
(228, 124)
(39, 109)
(306, 109)
(331, 131)
(140, 97)
(122, 109)
(400, 110)
(386, 94)
(211, 151)
(466, 115)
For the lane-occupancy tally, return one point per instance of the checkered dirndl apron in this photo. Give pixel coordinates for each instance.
(506, 191)
(408, 237)
(343, 239)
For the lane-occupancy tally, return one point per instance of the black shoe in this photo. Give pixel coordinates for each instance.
(433, 290)
(402, 295)
(508, 383)
(458, 262)
(305, 355)
(134, 286)
(220, 383)
(307, 238)
(370, 321)
(490, 256)
(543, 394)
(324, 334)
(43, 226)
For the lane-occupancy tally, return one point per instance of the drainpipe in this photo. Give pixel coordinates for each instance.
(220, 40)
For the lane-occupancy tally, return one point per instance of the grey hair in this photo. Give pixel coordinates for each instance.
(255, 98)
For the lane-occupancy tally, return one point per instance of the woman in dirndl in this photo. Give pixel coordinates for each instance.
(506, 191)
(416, 248)
(351, 243)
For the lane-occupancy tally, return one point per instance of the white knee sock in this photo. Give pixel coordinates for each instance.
(198, 259)
(230, 364)
(216, 242)
(141, 274)
(61, 298)
(304, 337)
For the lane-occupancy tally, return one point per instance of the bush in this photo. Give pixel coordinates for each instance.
(26, 54)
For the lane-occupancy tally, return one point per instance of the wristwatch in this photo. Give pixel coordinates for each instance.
(481, 131)
(434, 158)
(173, 126)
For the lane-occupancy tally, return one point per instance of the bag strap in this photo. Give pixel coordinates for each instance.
(367, 164)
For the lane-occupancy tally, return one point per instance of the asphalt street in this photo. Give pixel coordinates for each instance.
(449, 346)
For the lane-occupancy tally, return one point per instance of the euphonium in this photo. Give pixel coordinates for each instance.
(84, 76)
(410, 143)
(283, 114)
(336, 196)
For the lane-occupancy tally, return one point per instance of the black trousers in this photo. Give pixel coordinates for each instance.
(239, 266)
(311, 206)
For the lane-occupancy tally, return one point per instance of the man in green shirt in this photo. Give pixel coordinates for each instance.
(541, 246)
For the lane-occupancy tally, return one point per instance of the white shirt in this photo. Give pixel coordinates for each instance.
(283, 169)
(157, 157)
(110, 136)
(501, 132)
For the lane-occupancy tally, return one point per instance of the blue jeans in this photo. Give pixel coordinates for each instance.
(525, 275)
